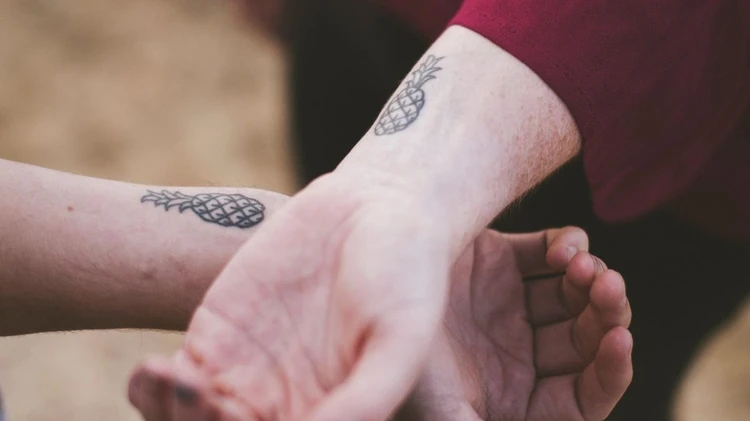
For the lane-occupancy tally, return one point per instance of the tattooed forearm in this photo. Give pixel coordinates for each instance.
(227, 210)
(404, 108)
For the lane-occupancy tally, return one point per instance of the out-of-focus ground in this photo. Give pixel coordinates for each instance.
(717, 388)
(177, 92)
(152, 91)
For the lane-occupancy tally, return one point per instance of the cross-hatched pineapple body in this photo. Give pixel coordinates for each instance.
(404, 109)
(227, 209)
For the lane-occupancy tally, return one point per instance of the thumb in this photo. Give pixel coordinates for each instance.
(387, 370)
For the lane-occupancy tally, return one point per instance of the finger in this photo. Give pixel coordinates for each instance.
(563, 245)
(191, 405)
(569, 346)
(556, 299)
(382, 378)
(609, 308)
(533, 249)
(603, 383)
(576, 285)
(190, 397)
(591, 395)
(149, 388)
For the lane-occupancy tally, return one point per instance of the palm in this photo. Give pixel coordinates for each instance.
(495, 362)
(487, 320)
(307, 318)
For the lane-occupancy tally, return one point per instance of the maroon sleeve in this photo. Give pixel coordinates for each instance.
(655, 86)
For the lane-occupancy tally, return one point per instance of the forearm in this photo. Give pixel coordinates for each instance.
(488, 131)
(84, 253)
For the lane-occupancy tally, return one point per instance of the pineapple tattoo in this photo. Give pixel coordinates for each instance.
(227, 210)
(404, 109)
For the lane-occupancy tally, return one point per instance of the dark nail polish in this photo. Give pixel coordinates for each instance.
(185, 395)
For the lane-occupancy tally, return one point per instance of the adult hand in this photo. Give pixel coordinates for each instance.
(307, 320)
(551, 349)
(485, 364)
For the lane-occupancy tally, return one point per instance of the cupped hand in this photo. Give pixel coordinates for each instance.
(519, 345)
(328, 313)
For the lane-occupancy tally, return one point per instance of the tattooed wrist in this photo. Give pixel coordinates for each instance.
(227, 210)
(404, 109)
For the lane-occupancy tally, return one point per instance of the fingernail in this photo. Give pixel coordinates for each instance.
(571, 252)
(185, 395)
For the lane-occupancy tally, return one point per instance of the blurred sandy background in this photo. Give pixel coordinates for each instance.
(154, 91)
(177, 92)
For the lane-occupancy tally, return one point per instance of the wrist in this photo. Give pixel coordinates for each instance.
(169, 277)
(454, 180)
(408, 199)
(470, 131)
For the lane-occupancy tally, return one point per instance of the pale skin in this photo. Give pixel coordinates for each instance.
(102, 259)
(364, 255)
(85, 253)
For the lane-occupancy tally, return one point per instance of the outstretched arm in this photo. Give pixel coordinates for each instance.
(85, 253)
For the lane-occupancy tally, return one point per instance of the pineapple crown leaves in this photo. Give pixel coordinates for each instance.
(168, 199)
(425, 72)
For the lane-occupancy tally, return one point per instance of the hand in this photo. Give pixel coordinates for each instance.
(306, 321)
(552, 349)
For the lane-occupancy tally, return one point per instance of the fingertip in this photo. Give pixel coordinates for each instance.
(605, 381)
(158, 366)
(573, 236)
(558, 257)
(581, 271)
(147, 388)
(609, 299)
(619, 341)
(563, 244)
(576, 283)
(608, 290)
(614, 361)
(613, 276)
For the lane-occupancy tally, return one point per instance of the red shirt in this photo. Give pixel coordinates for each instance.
(660, 91)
